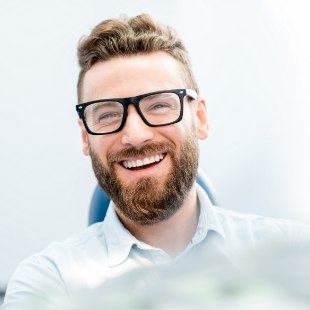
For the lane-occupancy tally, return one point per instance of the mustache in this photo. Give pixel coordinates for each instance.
(146, 150)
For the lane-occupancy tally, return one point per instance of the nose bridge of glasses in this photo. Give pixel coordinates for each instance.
(135, 130)
(132, 101)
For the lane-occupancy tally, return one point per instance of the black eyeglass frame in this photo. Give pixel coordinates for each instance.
(181, 93)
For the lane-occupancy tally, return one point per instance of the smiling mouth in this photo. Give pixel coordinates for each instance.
(143, 163)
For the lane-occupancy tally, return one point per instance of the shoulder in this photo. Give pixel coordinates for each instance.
(257, 228)
(67, 256)
(90, 240)
(57, 269)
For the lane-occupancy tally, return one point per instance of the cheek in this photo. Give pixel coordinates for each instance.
(188, 128)
(103, 145)
(180, 132)
(95, 146)
(189, 116)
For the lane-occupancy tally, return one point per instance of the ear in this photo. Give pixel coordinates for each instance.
(84, 136)
(201, 117)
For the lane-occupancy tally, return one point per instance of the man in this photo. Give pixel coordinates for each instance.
(141, 117)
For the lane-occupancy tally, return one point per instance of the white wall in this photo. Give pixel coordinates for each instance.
(252, 62)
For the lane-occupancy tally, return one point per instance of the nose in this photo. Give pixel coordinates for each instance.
(135, 132)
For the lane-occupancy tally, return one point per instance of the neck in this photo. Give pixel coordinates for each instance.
(173, 234)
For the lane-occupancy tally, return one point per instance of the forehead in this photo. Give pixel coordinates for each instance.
(132, 75)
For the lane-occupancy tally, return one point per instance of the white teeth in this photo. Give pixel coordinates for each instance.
(139, 162)
(146, 161)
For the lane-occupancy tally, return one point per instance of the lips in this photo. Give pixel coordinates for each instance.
(128, 164)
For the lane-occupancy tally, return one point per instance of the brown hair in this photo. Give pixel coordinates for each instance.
(125, 37)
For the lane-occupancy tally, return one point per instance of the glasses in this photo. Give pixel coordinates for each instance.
(160, 108)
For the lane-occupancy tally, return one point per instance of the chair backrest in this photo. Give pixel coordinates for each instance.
(100, 200)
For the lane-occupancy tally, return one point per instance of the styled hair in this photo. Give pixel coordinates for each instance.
(131, 36)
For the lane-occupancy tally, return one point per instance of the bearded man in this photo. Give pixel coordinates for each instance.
(141, 116)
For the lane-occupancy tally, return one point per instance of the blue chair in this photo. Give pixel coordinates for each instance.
(100, 199)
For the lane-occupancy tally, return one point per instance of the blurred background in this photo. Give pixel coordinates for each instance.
(251, 59)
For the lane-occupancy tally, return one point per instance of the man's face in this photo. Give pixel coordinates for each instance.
(156, 190)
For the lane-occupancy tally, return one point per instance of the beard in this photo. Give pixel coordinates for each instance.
(147, 201)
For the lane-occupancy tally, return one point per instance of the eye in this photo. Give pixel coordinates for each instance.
(106, 112)
(159, 106)
(163, 103)
(109, 116)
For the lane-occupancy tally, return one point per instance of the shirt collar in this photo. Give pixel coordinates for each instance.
(119, 240)
(208, 220)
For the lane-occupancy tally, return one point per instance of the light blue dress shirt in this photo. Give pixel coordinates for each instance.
(107, 249)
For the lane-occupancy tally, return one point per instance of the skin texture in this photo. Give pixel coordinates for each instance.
(168, 223)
